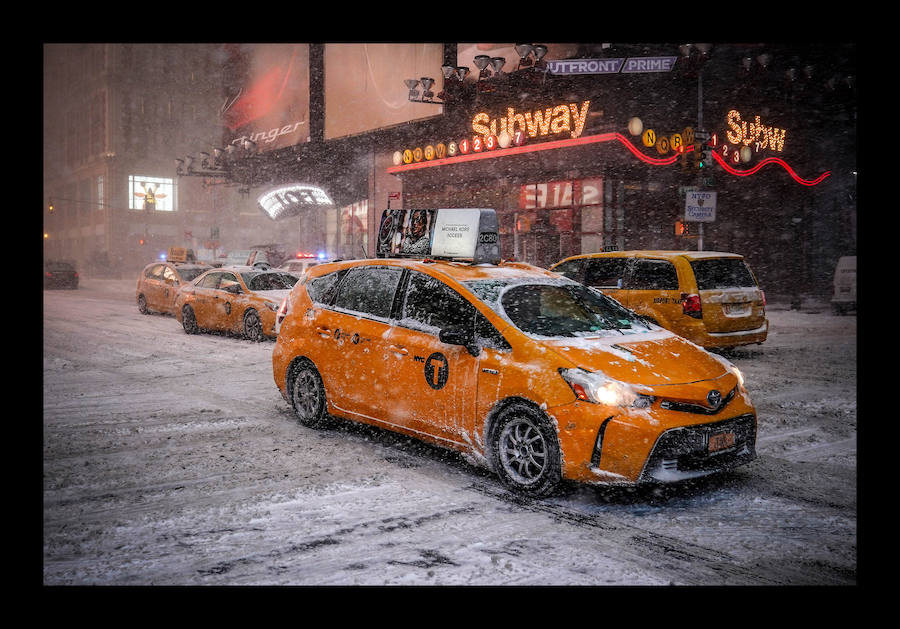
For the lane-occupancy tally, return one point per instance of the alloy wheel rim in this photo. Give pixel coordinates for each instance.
(306, 397)
(523, 451)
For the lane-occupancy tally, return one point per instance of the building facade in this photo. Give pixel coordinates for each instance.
(588, 148)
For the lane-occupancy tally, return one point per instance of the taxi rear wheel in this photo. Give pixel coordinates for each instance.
(308, 394)
(253, 326)
(526, 451)
(142, 304)
(189, 320)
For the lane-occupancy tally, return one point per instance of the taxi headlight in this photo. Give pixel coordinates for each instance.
(596, 387)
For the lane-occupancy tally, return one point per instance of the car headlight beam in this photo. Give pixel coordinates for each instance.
(596, 387)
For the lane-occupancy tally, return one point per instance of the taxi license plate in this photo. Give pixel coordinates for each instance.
(736, 309)
(721, 441)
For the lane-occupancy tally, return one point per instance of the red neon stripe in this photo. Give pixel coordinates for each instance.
(771, 160)
(604, 137)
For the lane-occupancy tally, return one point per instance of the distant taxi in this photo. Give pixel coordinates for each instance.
(710, 298)
(239, 300)
(159, 282)
(529, 373)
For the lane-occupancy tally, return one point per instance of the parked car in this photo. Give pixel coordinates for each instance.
(248, 257)
(159, 282)
(240, 300)
(843, 300)
(530, 373)
(710, 298)
(298, 266)
(60, 275)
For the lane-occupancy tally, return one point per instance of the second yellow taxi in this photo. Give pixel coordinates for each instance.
(531, 374)
(240, 300)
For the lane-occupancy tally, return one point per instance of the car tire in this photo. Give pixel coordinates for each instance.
(189, 320)
(526, 450)
(307, 395)
(142, 305)
(252, 326)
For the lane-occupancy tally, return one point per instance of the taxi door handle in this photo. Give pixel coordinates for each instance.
(399, 350)
(323, 332)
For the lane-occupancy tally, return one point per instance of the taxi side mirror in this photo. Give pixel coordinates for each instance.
(460, 336)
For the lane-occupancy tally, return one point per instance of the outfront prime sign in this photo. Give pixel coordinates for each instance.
(611, 66)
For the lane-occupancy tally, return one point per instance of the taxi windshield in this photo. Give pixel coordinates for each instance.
(557, 309)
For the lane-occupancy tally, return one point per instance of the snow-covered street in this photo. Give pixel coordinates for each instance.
(171, 459)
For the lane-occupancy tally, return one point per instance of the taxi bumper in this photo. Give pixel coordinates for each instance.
(653, 445)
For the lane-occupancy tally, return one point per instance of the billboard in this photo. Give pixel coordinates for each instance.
(364, 85)
(266, 95)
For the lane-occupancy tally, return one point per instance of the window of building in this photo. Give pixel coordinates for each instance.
(151, 193)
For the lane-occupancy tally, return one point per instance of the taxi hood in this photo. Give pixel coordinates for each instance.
(651, 359)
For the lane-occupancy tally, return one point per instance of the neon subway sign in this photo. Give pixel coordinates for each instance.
(553, 120)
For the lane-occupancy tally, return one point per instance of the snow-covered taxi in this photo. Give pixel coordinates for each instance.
(241, 300)
(711, 298)
(529, 373)
(159, 282)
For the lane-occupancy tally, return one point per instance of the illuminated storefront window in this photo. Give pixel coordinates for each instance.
(151, 193)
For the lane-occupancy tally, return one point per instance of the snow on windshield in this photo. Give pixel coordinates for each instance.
(556, 307)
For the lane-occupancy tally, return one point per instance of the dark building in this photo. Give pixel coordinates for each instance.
(574, 171)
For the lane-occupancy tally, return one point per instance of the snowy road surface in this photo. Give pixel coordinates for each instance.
(171, 459)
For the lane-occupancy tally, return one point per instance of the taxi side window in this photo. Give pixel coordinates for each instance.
(570, 269)
(604, 272)
(430, 305)
(168, 275)
(434, 305)
(322, 289)
(369, 291)
(653, 275)
(210, 281)
(155, 272)
(228, 279)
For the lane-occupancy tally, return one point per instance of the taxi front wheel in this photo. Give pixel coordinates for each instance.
(189, 320)
(526, 451)
(308, 394)
(253, 326)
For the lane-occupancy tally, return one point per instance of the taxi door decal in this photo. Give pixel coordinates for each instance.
(437, 377)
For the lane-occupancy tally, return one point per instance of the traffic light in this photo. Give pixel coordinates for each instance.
(705, 157)
(50, 206)
(698, 156)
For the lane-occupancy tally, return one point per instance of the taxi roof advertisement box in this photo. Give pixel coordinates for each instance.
(455, 233)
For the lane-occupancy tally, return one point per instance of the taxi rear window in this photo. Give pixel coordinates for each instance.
(722, 273)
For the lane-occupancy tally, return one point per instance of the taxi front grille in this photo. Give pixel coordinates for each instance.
(685, 452)
(685, 407)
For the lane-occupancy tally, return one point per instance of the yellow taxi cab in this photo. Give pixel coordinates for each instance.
(159, 282)
(710, 298)
(240, 300)
(526, 372)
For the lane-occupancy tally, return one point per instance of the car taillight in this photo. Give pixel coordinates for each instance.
(763, 294)
(281, 314)
(690, 305)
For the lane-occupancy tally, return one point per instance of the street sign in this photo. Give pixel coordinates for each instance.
(700, 206)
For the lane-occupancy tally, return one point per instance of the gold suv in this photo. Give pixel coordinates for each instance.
(708, 297)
